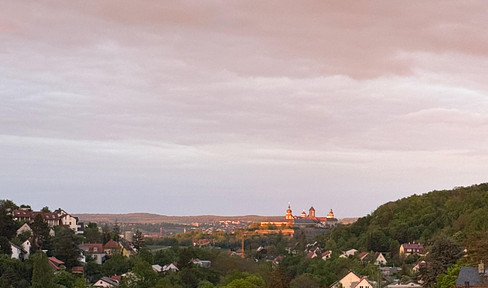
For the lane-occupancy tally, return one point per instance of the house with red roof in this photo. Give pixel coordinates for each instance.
(407, 249)
(55, 263)
(363, 283)
(95, 250)
(111, 247)
(363, 256)
(326, 255)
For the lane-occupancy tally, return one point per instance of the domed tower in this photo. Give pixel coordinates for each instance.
(311, 212)
(289, 214)
(330, 215)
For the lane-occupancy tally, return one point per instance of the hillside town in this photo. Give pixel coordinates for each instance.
(81, 254)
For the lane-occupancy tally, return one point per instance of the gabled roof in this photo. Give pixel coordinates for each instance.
(109, 281)
(55, 263)
(362, 255)
(111, 244)
(326, 253)
(363, 279)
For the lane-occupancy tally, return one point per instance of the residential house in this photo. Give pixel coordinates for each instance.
(389, 271)
(17, 252)
(277, 260)
(472, 277)
(172, 267)
(95, 250)
(407, 249)
(24, 228)
(348, 281)
(348, 253)
(55, 263)
(106, 282)
(201, 263)
(126, 248)
(28, 216)
(80, 228)
(326, 255)
(313, 253)
(364, 283)
(78, 270)
(157, 268)
(67, 220)
(363, 256)
(380, 259)
(416, 268)
(406, 285)
(111, 248)
(27, 247)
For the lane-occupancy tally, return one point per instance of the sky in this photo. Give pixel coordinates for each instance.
(240, 107)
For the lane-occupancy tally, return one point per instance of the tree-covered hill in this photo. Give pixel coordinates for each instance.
(456, 213)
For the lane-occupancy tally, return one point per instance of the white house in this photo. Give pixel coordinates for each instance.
(201, 263)
(157, 268)
(17, 251)
(380, 259)
(348, 253)
(26, 246)
(67, 220)
(170, 268)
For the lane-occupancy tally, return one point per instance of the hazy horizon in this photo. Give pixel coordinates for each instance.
(233, 108)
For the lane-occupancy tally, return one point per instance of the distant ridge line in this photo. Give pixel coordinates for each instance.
(152, 218)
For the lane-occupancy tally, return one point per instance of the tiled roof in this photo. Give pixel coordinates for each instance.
(77, 269)
(111, 244)
(413, 246)
(56, 261)
(92, 247)
(362, 255)
(471, 275)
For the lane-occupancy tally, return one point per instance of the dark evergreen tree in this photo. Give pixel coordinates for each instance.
(5, 246)
(92, 234)
(66, 246)
(116, 231)
(443, 254)
(278, 279)
(40, 232)
(8, 228)
(138, 240)
(42, 274)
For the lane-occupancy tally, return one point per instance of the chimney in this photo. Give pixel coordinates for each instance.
(481, 268)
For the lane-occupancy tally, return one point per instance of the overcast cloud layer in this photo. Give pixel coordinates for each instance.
(239, 107)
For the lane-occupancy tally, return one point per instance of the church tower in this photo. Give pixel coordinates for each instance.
(289, 215)
(330, 215)
(311, 212)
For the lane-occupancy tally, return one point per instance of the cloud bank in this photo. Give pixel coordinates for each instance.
(238, 108)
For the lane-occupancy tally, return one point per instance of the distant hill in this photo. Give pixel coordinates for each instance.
(456, 213)
(144, 218)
